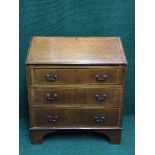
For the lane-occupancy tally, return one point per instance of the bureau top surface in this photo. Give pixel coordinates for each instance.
(76, 51)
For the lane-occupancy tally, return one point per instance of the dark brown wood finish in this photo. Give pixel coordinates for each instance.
(76, 76)
(114, 135)
(106, 96)
(76, 83)
(88, 117)
(38, 135)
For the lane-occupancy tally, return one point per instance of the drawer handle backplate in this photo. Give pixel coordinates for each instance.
(53, 119)
(99, 119)
(51, 77)
(101, 77)
(101, 97)
(51, 97)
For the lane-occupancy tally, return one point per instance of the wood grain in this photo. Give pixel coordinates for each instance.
(76, 50)
(75, 117)
(75, 96)
(77, 76)
(67, 98)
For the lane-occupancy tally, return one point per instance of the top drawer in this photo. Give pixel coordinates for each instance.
(52, 76)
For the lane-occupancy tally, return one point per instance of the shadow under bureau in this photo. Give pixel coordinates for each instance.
(76, 83)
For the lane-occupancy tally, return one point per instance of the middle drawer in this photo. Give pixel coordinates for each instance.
(83, 96)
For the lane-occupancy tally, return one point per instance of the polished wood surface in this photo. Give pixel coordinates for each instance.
(76, 117)
(76, 50)
(78, 76)
(106, 96)
(76, 83)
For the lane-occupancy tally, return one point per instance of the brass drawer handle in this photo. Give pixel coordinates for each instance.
(101, 97)
(52, 118)
(101, 77)
(51, 77)
(99, 119)
(51, 97)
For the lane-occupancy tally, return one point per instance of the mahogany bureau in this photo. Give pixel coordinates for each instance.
(76, 83)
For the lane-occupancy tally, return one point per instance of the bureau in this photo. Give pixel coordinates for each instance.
(76, 83)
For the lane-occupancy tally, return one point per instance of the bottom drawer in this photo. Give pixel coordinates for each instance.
(90, 117)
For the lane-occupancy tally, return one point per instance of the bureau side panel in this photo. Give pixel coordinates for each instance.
(29, 83)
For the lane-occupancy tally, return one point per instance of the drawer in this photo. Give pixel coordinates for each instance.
(77, 76)
(99, 117)
(78, 96)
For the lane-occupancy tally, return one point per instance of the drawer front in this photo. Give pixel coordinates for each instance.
(85, 96)
(77, 76)
(76, 117)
